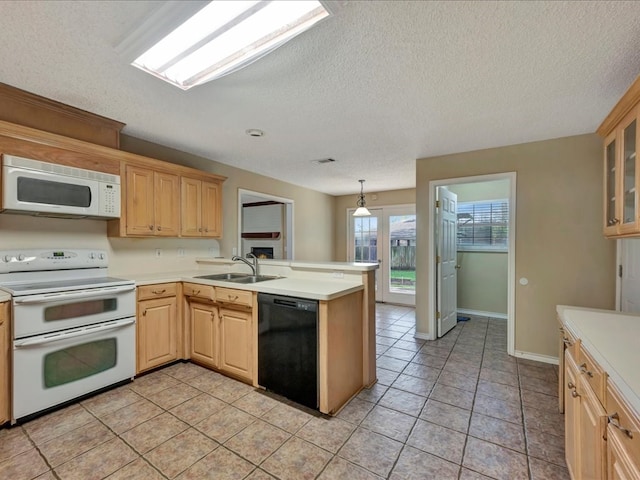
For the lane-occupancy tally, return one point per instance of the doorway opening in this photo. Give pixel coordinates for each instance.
(485, 191)
(265, 225)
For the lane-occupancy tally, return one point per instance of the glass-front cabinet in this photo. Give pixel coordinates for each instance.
(611, 219)
(621, 130)
(629, 198)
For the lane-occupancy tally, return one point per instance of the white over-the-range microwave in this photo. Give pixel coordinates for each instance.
(46, 189)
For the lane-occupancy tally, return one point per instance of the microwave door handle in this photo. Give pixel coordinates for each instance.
(44, 339)
(54, 297)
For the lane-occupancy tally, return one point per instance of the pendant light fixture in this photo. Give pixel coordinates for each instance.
(362, 210)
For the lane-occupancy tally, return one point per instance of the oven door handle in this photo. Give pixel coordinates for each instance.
(54, 297)
(43, 339)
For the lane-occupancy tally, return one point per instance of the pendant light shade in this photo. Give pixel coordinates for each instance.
(362, 210)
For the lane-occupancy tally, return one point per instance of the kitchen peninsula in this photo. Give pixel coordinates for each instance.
(215, 322)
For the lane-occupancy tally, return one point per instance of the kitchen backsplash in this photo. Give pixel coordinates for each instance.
(126, 255)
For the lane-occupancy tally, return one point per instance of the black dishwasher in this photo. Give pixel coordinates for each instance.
(288, 347)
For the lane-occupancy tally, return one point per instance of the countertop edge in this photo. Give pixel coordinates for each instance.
(270, 286)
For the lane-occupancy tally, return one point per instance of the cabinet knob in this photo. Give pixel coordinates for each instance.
(159, 228)
(613, 221)
(583, 369)
(206, 229)
(614, 420)
(200, 229)
(144, 314)
(196, 292)
(575, 394)
(571, 385)
(150, 227)
(567, 342)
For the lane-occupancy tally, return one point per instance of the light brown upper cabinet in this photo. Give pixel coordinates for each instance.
(152, 200)
(621, 130)
(201, 208)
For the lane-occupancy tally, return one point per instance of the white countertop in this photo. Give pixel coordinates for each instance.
(314, 289)
(612, 338)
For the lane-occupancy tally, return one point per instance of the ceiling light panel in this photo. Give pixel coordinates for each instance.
(225, 36)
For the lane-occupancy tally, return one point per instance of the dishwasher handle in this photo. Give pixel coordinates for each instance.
(281, 301)
(285, 302)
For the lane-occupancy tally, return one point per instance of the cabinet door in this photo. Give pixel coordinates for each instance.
(236, 343)
(157, 332)
(5, 373)
(611, 188)
(629, 174)
(592, 429)
(166, 201)
(191, 218)
(620, 464)
(211, 209)
(139, 213)
(571, 415)
(204, 333)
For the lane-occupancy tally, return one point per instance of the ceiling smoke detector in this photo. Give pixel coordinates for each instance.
(254, 132)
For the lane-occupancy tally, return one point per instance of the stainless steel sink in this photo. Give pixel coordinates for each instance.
(223, 276)
(253, 279)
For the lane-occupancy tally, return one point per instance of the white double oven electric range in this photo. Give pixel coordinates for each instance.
(73, 326)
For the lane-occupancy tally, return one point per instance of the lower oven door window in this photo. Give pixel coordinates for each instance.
(57, 367)
(76, 362)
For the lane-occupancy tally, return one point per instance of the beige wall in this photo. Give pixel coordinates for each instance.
(313, 211)
(373, 199)
(560, 248)
(482, 281)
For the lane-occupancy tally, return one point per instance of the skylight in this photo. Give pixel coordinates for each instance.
(225, 36)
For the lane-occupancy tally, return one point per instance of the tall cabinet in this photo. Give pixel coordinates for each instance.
(621, 131)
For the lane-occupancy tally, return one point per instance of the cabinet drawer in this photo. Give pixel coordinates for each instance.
(199, 290)
(158, 290)
(571, 343)
(592, 373)
(622, 418)
(234, 297)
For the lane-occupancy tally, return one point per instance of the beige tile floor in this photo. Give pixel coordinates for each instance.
(457, 408)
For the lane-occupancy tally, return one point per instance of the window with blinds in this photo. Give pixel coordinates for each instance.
(483, 225)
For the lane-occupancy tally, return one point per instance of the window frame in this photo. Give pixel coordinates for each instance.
(486, 248)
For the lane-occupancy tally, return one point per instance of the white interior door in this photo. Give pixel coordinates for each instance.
(446, 260)
(630, 278)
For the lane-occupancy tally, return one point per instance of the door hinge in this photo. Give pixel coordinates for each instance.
(620, 271)
(437, 315)
(437, 203)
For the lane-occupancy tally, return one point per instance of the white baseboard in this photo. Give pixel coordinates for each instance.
(536, 357)
(480, 313)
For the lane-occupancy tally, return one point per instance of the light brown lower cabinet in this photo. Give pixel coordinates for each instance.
(600, 443)
(157, 326)
(236, 345)
(205, 333)
(5, 363)
(620, 464)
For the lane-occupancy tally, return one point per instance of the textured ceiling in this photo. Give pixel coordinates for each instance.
(376, 86)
